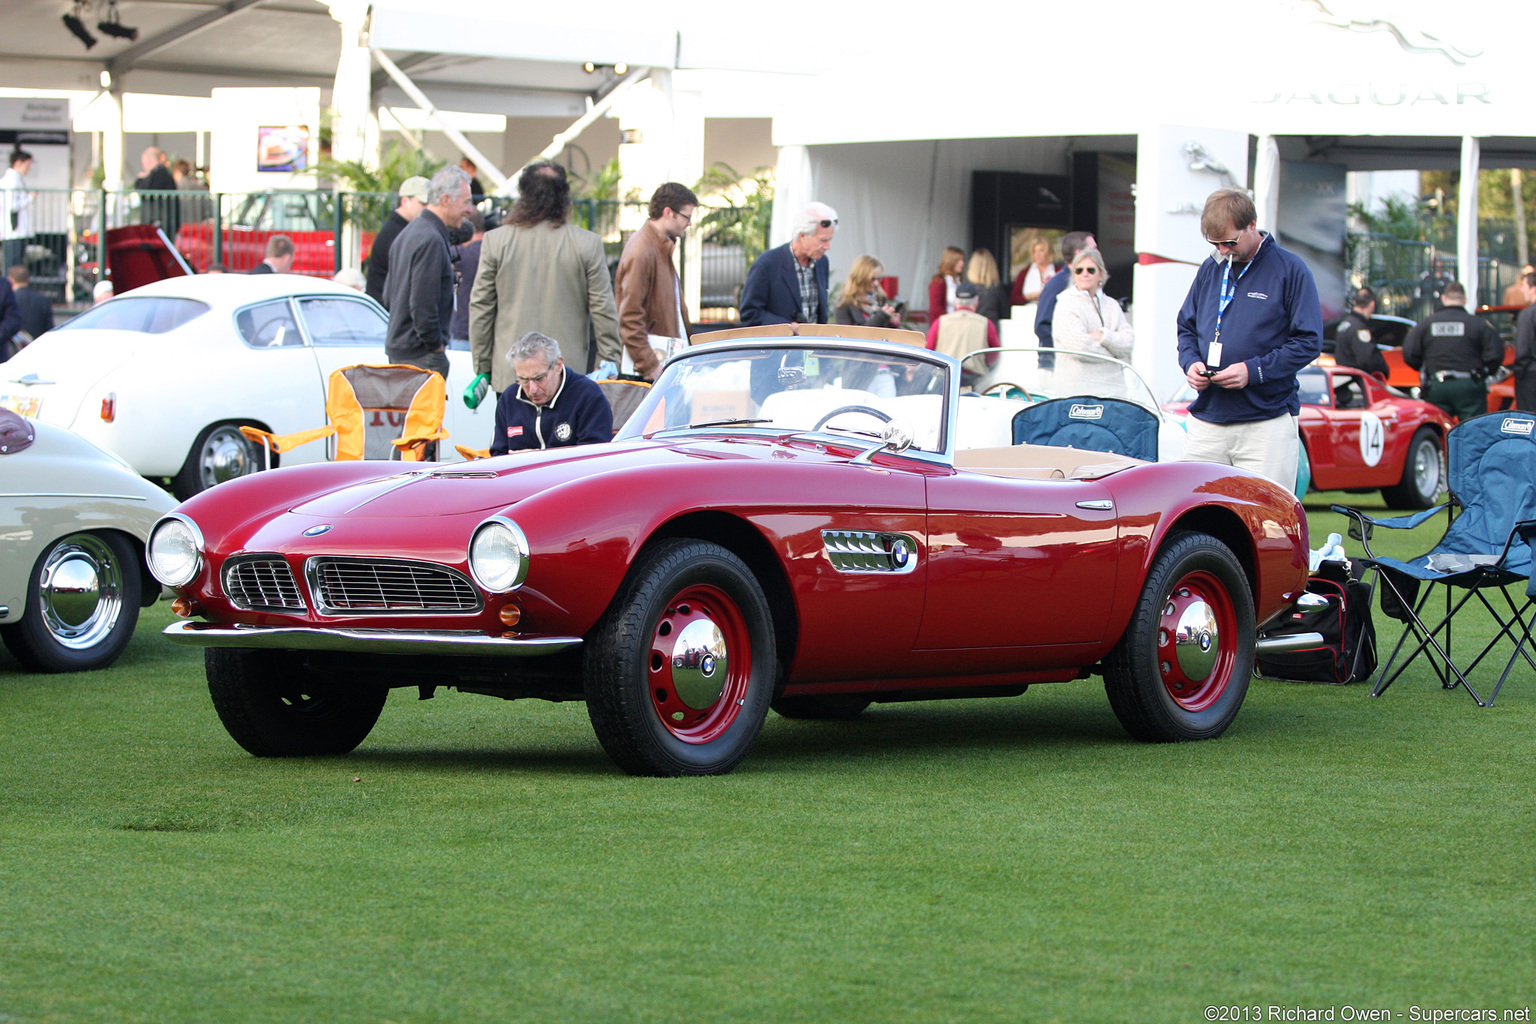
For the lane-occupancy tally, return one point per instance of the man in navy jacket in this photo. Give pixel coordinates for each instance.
(1250, 321)
(789, 284)
(552, 406)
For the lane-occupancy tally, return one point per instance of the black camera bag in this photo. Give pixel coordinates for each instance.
(1343, 617)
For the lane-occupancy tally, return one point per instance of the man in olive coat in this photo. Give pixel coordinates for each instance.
(538, 273)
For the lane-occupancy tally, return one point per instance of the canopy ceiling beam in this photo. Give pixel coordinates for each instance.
(482, 162)
(129, 58)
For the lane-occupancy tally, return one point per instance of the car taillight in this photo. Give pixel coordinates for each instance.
(109, 407)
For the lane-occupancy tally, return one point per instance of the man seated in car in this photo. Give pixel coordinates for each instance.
(552, 406)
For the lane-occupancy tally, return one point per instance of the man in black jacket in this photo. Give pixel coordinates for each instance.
(413, 198)
(419, 289)
(35, 308)
(1454, 353)
(1525, 346)
(1352, 345)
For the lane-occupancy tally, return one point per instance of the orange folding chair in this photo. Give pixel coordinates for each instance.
(374, 412)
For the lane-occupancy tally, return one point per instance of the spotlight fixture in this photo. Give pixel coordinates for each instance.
(110, 25)
(75, 25)
(620, 69)
(588, 67)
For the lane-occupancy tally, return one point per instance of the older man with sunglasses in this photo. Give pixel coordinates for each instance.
(788, 284)
(1251, 320)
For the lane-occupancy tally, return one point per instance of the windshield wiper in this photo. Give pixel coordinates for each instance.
(725, 423)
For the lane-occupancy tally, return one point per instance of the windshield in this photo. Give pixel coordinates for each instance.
(846, 391)
(138, 313)
(1035, 374)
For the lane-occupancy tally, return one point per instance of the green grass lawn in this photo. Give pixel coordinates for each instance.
(1006, 860)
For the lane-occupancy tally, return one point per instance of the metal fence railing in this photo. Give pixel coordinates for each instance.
(64, 246)
(1407, 275)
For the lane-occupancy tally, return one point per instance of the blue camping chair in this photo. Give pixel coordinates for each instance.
(1094, 424)
(1491, 470)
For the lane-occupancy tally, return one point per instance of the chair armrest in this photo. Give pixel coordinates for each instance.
(417, 440)
(285, 442)
(1407, 522)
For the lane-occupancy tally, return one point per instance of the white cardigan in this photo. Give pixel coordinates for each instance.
(1077, 316)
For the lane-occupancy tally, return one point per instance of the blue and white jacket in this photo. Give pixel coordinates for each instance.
(1274, 324)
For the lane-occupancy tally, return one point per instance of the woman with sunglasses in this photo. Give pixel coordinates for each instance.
(1087, 320)
(862, 301)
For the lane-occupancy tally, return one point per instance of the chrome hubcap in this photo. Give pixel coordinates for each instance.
(1197, 640)
(699, 664)
(80, 592)
(225, 456)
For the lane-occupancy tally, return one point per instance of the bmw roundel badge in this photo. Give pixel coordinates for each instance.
(315, 531)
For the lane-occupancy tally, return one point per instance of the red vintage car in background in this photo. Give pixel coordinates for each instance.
(1359, 435)
(302, 216)
(810, 524)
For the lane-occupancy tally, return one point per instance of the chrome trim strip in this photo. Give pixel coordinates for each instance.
(367, 641)
(1293, 642)
(1097, 505)
(4, 611)
(84, 495)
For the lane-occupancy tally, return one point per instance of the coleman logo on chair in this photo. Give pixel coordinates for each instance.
(1515, 426)
(1086, 412)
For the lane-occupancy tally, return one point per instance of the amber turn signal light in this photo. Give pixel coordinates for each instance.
(184, 607)
(510, 614)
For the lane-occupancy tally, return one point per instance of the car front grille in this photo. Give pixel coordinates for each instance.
(348, 585)
(262, 583)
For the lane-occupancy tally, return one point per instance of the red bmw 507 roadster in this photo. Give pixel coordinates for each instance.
(808, 524)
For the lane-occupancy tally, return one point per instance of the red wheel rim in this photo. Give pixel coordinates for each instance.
(700, 664)
(1196, 641)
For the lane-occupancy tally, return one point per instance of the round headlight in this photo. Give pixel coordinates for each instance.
(175, 551)
(498, 555)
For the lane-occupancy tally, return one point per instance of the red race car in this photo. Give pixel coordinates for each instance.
(1361, 435)
(1358, 434)
(809, 524)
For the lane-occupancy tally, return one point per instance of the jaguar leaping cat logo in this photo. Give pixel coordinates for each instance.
(1416, 42)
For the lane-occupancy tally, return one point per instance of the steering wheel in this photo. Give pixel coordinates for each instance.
(1004, 384)
(865, 409)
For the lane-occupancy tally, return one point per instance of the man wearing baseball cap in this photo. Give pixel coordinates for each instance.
(413, 199)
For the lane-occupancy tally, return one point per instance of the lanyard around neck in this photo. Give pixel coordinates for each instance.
(1229, 288)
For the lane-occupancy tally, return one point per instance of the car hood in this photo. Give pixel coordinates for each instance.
(489, 484)
(62, 368)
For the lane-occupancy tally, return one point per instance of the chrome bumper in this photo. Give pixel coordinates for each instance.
(370, 641)
(1293, 642)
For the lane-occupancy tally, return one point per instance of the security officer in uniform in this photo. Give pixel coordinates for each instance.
(1454, 353)
(1352, 344)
